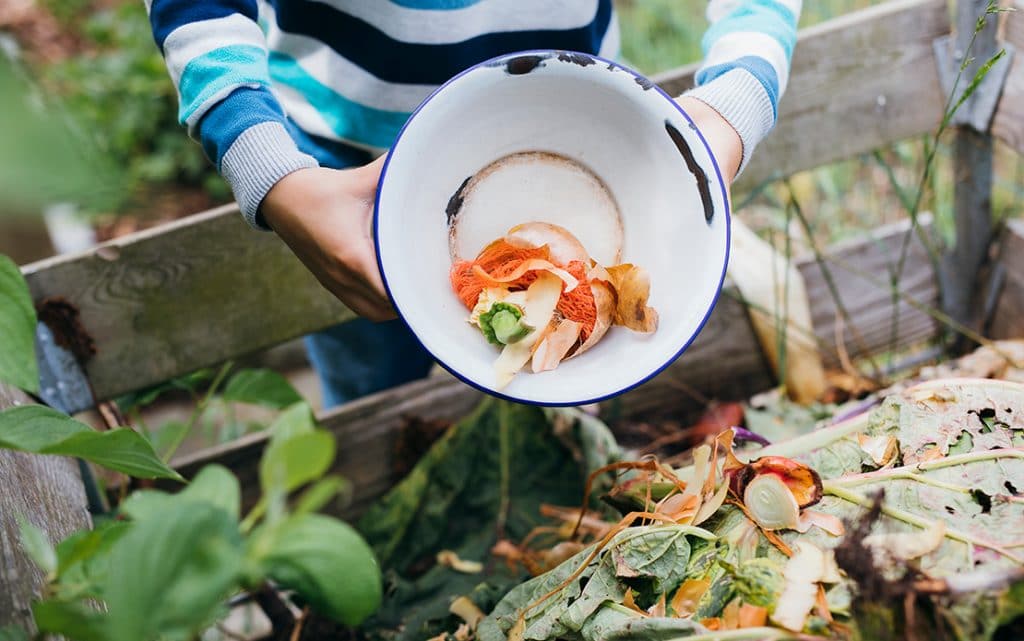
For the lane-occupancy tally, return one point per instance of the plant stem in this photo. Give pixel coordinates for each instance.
(198, 411)
(830, 282)
(841, 492)
(817, 439)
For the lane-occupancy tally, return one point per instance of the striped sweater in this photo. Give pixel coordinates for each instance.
(354, 70)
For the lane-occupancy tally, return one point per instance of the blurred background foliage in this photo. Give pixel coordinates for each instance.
(94, 61)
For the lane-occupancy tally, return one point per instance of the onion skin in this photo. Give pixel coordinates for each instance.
(768, 492)
(802, 481)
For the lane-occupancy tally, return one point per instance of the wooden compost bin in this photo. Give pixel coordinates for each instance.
(205, 289)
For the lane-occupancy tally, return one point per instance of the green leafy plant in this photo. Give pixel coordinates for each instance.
(165, 564)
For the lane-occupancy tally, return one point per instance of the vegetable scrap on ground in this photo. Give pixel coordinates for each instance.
(897, 518)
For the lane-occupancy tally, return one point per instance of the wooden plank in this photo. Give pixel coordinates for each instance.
(1008, 319)
(861, 271)
(858, 82)
(48, 492)
(176, 298)
(725, 362)
(1008, 121)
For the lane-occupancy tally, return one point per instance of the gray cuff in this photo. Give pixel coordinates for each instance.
(742, 100)
(262, 155)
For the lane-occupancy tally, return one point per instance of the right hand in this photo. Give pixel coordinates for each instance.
(325, 217)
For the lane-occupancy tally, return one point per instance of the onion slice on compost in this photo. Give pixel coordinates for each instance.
(771, 503)
(802, 481)
(632, 286)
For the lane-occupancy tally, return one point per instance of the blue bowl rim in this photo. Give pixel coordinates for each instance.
(549, 53)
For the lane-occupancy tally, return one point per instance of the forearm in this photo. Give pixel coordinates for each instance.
(216, 55)
(747, 53)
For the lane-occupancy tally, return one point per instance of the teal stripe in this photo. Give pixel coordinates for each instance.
(348, 119)
(763, 16)
(435, 5)
(211, 73)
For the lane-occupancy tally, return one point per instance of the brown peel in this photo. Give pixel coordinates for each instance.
(632, 286)
(553, 348)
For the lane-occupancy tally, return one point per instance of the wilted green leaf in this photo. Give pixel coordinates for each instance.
(38, 547)
(17, 327)
(42, 430)
(492, 470)
(261, 387)
(326, 562)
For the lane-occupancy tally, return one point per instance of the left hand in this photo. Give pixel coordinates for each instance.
(725, 143)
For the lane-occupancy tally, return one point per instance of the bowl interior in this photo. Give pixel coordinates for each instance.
(630, 135)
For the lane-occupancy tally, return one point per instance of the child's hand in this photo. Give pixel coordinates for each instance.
(325, 216)
(725, 143)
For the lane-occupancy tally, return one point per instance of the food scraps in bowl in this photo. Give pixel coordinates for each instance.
(538, 295)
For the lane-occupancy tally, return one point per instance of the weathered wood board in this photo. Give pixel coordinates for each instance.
(1008, 319)
(725, 362)
(1008, 121)
(179, 297)
(48, 492)
(170, 300)
(858, 82)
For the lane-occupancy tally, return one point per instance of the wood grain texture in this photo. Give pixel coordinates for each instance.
(48, 492)
(725, 362)
(1008, 319)
(858, 82)
(176, 298)
(1008, 121)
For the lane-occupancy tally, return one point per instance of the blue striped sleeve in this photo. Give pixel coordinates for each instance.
(216, 54)
(747, 54)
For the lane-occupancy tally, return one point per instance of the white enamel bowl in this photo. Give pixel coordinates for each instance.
(607, 139)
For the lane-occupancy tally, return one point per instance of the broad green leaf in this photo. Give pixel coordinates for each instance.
(215, 485)
(261, 387)
(320, 494)
(82, 558)
(327, 563)
(74, 620)
(291, 463)
(169, 576)
(13, 633)
(485, 478)
(17, 329)
(295, 419)
(38, 547)
(43, 430)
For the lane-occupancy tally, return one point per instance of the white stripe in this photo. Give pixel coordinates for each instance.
(717, 9)
(611, 46)
(433, 26)
(194, 39)
(750, 43)
(343, 76)
(310, 120)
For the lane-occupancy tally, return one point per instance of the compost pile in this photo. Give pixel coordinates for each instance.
(903, 521)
